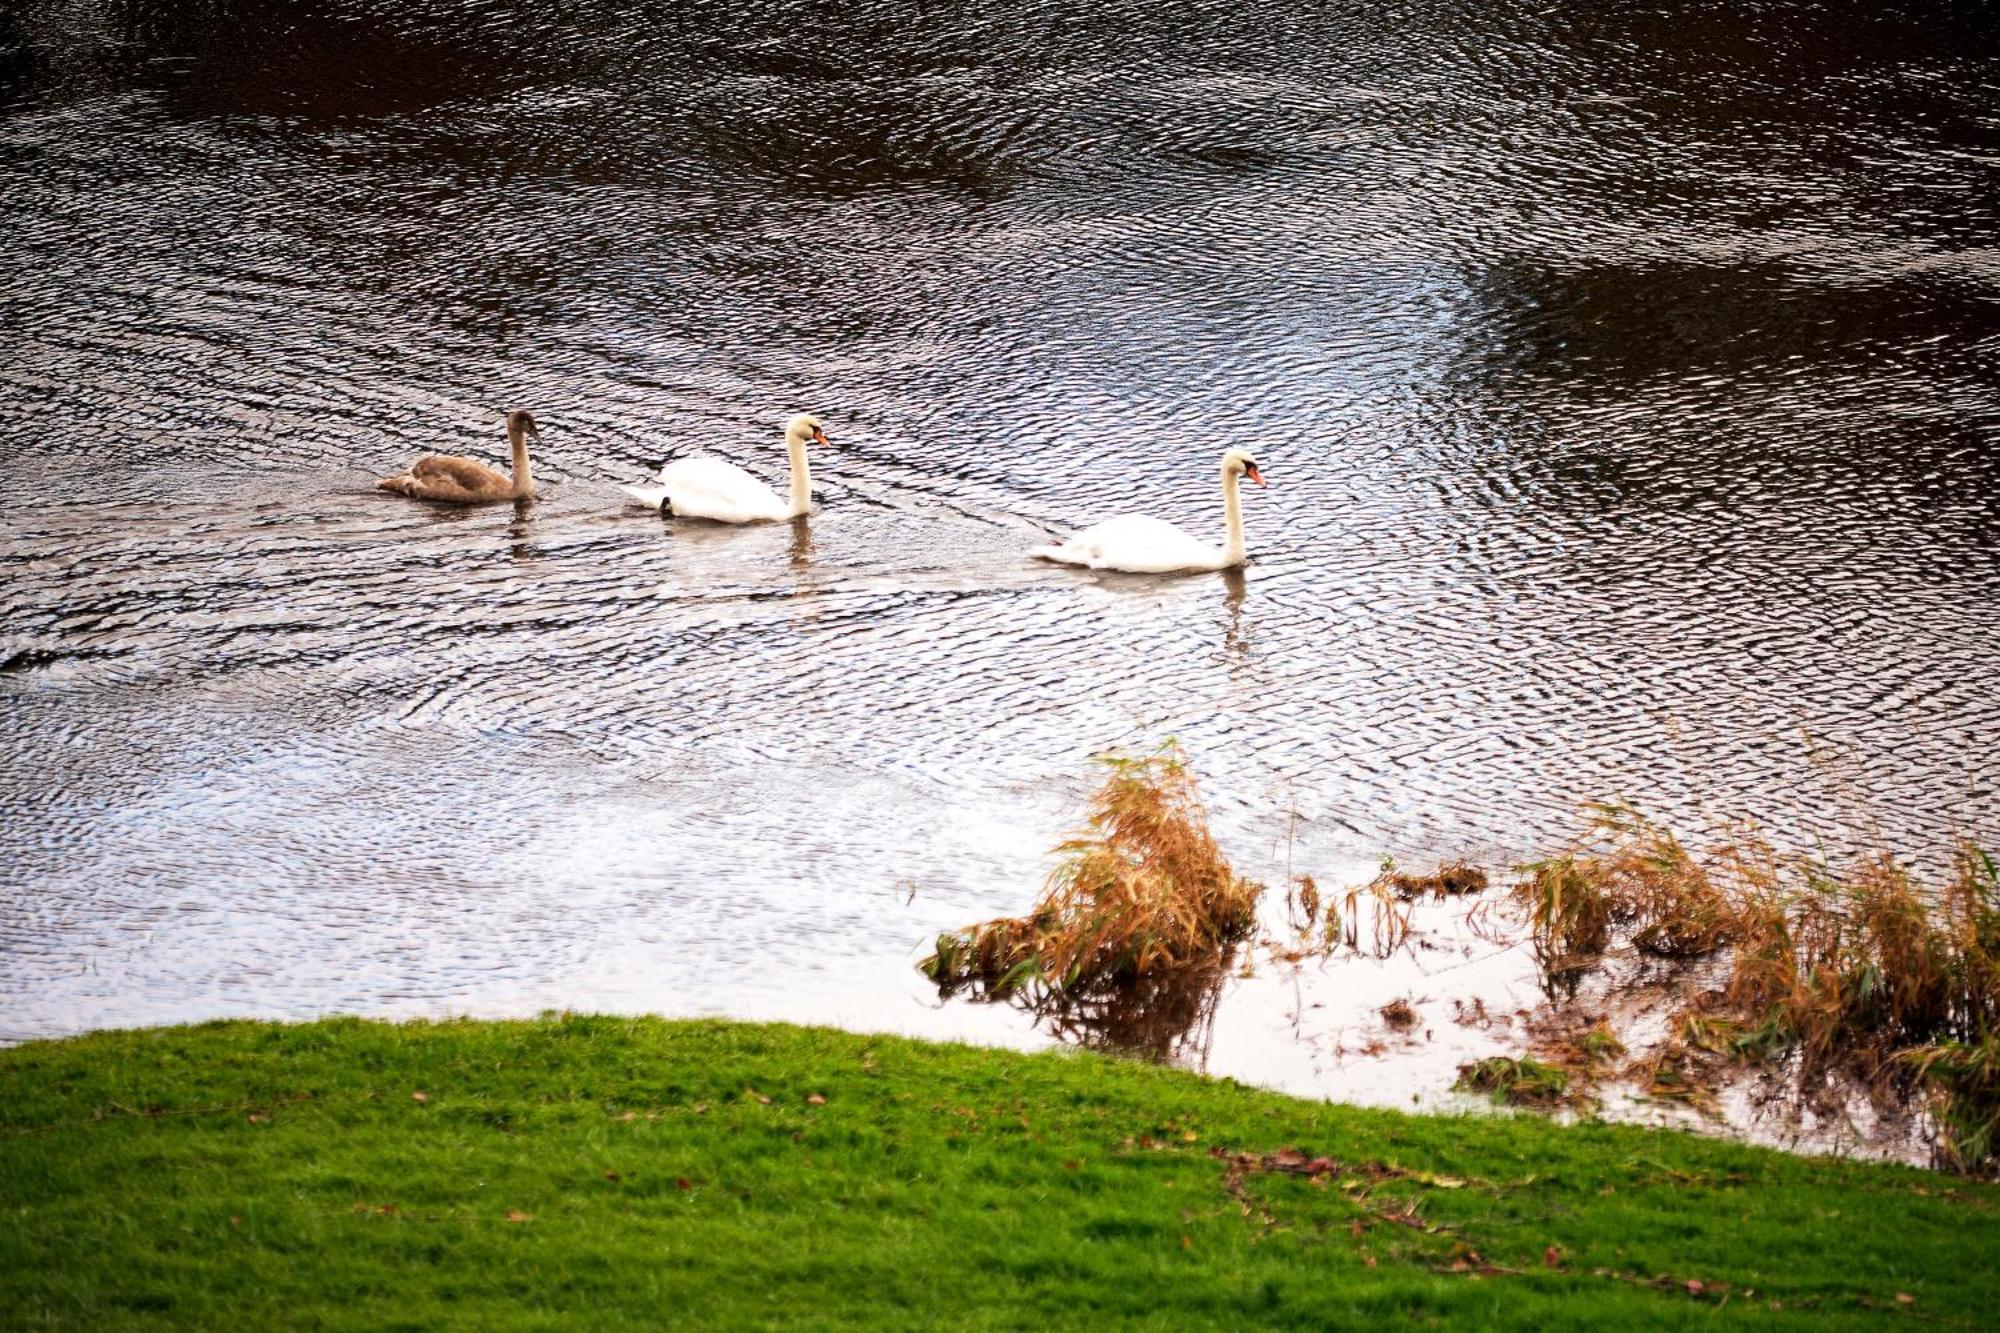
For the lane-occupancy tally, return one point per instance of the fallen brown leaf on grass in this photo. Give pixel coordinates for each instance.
(814, 1099)
(1552, 1257)
(683, 1183)
(516, 1215)
(756, 1096)
(420, 1096)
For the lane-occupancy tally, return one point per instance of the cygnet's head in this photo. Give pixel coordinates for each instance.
(806, 426)
(1239, 463)
(522, 422)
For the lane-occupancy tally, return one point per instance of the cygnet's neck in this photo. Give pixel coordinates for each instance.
(795, 445)
(524, 476)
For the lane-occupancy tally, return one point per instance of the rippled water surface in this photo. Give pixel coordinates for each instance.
(1626, 380)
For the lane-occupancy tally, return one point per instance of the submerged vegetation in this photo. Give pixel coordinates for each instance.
(1853, 979)
(633, 1173)
(1856, 974)
(1521, 1082)
(1449, 880)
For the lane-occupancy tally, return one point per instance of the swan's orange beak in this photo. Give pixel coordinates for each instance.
(1254, 475)
(820, 436)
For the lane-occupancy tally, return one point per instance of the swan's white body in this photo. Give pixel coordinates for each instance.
(1136, 544)
(718, 490)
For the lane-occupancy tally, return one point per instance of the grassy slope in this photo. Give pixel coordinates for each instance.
(253, 1175)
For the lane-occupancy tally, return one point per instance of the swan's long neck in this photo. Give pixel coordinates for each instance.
(524, 476)
(1232, 517)
(802, 482)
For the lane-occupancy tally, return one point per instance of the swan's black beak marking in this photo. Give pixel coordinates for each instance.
(1250, 471)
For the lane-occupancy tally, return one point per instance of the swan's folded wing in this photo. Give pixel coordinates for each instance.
(448, 477)
(706, 472)
(708, 487)
(691, 479)
(1135, 544)
(451, 470)
(648, 494)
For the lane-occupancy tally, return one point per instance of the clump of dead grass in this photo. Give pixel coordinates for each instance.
(1387, 915)
(1628, 872)
(1518, 1082)
(1370, 918)
(1140, 896)
(1857, 972)
(1675, 1072)
(1853, 966)
(1399, 1014)
(1569, 918)
(1450, 880)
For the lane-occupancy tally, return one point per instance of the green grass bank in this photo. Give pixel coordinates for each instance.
(604, 1172)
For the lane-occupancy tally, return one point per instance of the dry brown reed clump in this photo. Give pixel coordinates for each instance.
(1861, 968)
(1629, 872)
(1451, 879)
(1399, 1014)
(1140, 897)
(1322, 929)
(1387, 915)
(1569, 918)
(1859, 972)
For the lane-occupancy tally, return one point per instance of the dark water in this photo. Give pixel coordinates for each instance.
(1628, 380)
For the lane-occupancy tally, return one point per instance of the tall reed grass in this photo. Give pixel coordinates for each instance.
(1136, 924)
(1854, 969)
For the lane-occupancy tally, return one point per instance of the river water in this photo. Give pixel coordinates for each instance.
(1627, 379)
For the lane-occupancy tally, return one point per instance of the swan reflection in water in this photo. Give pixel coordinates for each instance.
(1235, 587)
(800, 554)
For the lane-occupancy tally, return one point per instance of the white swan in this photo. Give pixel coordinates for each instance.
(1140, 545)
(707, 487)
